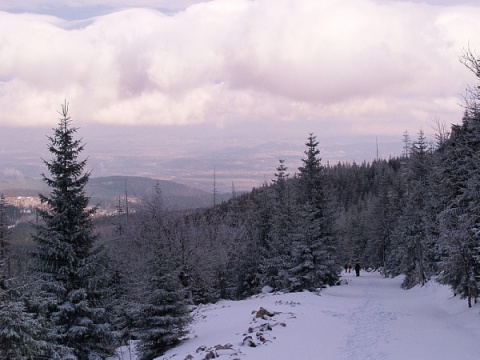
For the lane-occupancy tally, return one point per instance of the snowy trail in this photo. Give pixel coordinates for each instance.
(370, 318)
(390, 323)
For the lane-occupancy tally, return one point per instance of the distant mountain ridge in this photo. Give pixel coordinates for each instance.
(108, 191)
(175, 196)
(111, 186)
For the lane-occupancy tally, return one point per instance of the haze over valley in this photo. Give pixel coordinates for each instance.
(185, 157)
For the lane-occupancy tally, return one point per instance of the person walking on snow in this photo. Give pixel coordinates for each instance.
(357, 269)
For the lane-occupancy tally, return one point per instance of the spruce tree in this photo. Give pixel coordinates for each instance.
(18, 327)
(4, 244)
(459, 223)
(164, 317)
(163, 314)
(459, 220)
(276, 252)
(314, 261)
(414, 245)
(70, 268)
(380, 216)
(245, 273)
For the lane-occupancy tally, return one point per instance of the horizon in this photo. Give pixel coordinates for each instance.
(179, 82)
(241, 162)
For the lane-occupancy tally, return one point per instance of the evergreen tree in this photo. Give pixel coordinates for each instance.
(119, 307)
(71, 270)
(276, 252)
(381, 215)
(19, 328)
(311, 180)
(120, 218)
(459, 220)
(245, 270)
(5, 271)
(164, 316)
(130, 268)
(414, 245)
(314, 261)
(354, 188)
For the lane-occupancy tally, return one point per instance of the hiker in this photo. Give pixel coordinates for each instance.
(346, 267)
(357, 269)
(349, 267)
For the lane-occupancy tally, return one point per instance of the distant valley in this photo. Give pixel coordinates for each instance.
(109, 192)
(190, 157)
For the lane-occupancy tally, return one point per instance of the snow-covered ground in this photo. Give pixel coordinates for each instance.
(370, 318)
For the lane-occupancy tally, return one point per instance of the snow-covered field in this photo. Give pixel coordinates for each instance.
(370, 318)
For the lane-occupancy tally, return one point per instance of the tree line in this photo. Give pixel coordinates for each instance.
(93, 284)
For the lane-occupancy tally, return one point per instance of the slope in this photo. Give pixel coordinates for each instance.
(369, 318)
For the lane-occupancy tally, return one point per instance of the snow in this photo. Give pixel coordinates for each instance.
(367, 317)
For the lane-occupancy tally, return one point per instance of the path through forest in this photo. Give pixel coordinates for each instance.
(387, 322)
(370, 318)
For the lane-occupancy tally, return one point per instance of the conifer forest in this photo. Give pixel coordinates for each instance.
(88, 284)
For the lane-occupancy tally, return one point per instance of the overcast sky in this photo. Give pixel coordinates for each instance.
(334, 67)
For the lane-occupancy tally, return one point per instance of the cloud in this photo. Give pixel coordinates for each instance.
(362, 65)
(55, 6)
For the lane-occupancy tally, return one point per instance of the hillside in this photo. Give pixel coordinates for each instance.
(106, 191)
(175, 196)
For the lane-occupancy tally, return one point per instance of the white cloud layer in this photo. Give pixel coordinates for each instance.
(358, 66)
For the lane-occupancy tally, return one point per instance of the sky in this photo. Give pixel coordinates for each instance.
(348, 67)
(369, 317)
(265, 69)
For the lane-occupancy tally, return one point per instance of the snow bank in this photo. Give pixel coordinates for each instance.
(370, 317)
